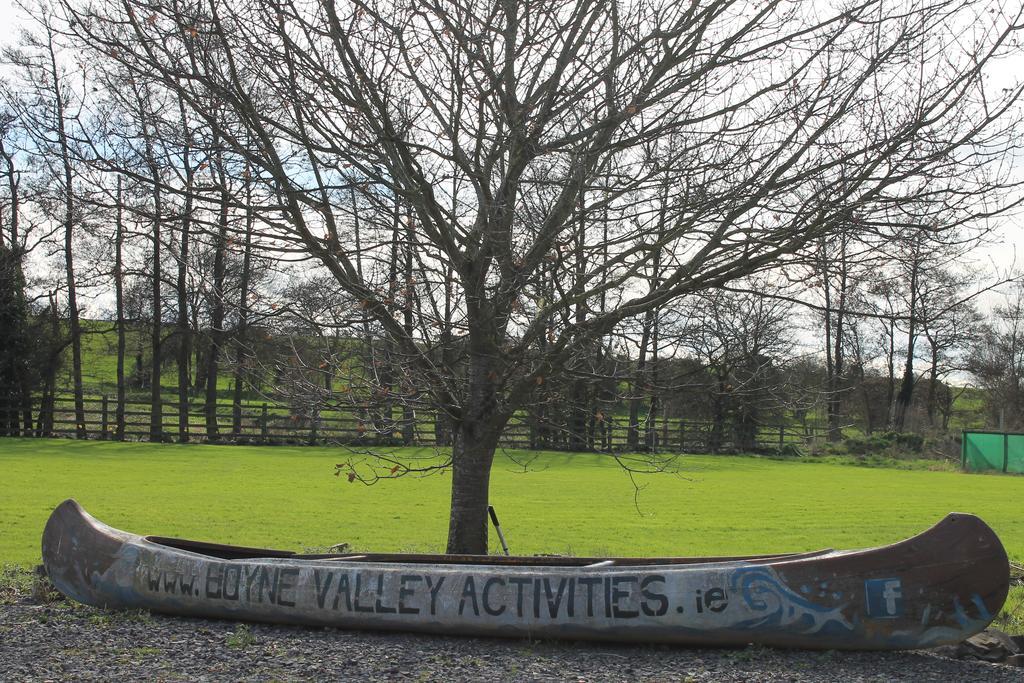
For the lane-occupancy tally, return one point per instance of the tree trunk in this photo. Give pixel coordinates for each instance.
(578, 404)
(13, 328)
(716, 437)
(651, 431)
(47, 403)
(578, 415)
(76, 334)
(477, 433)
(651, 379)
(156, 410)
(890, 360)
(476, 439)
(200, 344)
(870, 409)
(633, 429)
(243, 313)
(384, 423)
(69, 261)
(906, 392)
(542, 412)
(447, 347)
(472, 457)
(119, 423)
(14, 196)
(408, 413)
(905, 395)
(442, 420)
(933, 381)
(606, 392)
(834, 330)
(948, 400)
(24, 383)
(184, 329)
(217, 314)
(26, 407)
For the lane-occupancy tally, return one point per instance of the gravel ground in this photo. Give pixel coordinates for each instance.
(65, 641)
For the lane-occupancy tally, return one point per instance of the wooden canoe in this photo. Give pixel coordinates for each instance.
(938, 587)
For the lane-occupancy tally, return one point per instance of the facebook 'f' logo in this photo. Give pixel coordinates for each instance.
(884, 598)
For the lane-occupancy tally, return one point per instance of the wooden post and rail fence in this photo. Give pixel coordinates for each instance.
(368, 425)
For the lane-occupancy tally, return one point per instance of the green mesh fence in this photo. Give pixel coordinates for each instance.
(1015, 454)
(987, 451)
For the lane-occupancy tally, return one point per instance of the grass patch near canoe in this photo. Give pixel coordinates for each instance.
(578, 504)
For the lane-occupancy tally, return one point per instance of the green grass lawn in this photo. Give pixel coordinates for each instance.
(579, 504)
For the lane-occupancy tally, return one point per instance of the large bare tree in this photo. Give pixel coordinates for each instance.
(524, 147)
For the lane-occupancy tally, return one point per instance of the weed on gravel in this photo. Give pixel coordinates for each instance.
(243, 637)
(14, 581)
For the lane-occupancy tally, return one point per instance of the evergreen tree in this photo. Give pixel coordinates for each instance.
(14, 324)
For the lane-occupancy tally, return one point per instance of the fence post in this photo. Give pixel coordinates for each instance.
(1006, 451)
(682, 435)
(782, 436)
(312, 431)
(263, 424)
(104, 420)
(963, 450)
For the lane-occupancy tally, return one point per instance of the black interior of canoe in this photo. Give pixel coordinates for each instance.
(233, 552)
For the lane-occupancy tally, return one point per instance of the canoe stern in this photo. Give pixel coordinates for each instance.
(84, 557)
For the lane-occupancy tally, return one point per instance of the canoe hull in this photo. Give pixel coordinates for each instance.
(939, 587)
